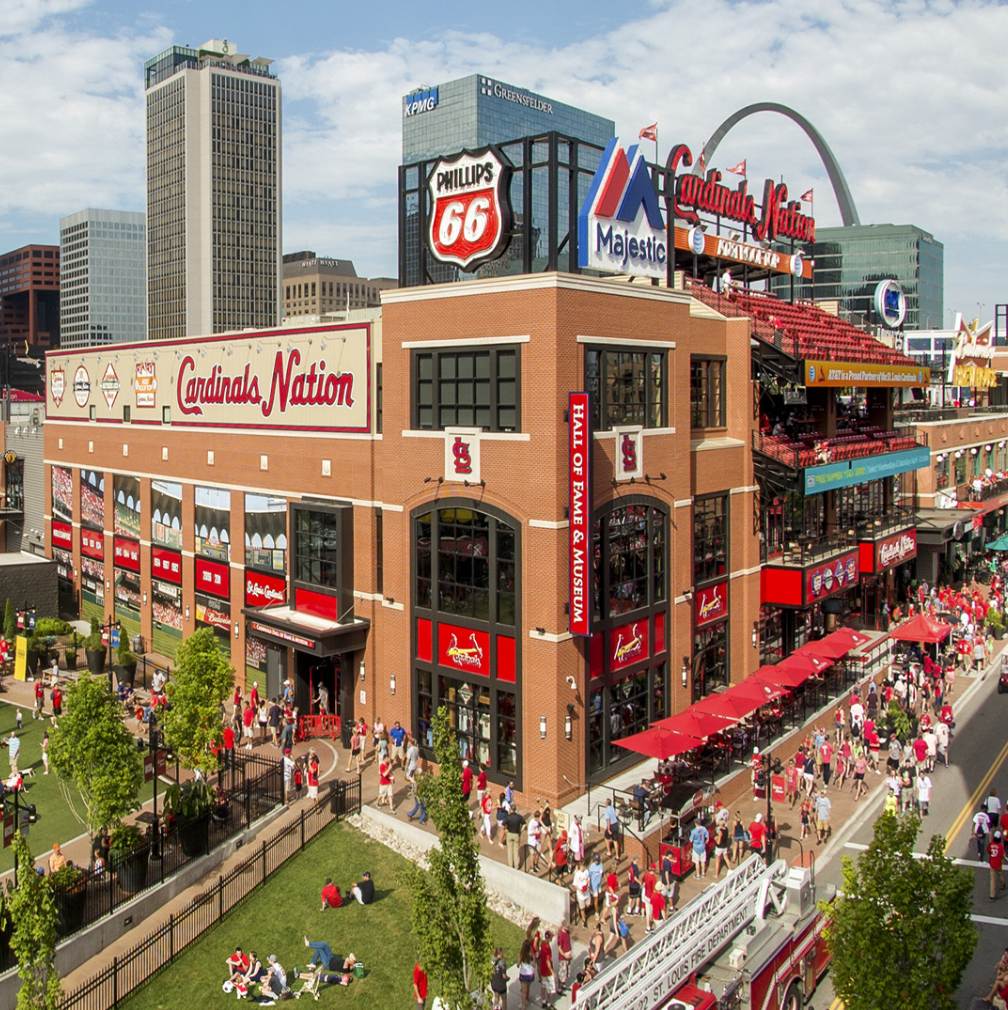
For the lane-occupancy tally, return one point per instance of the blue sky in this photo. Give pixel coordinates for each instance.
(908, 94)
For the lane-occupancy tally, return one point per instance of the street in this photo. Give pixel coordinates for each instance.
(978, 752)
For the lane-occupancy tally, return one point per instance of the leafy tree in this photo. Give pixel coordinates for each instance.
(451, 923)
(202, 680)
(9, 624)
(902, 934)
(92, 749)
(33, 913)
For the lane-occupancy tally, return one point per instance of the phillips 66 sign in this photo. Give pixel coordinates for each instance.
(470, 217)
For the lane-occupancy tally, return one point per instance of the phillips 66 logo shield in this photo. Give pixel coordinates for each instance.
(470, 217)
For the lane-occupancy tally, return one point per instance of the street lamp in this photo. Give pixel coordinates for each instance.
(153, 742)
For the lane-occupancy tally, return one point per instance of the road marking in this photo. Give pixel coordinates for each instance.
(977, 863)
(967, 811)
(989, 920)
(837, 1004)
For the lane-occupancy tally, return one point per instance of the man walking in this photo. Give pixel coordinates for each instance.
(513, 825)
(995, 857)
(823, 808)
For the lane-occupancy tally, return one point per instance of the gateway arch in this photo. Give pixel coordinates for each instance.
(848, 212)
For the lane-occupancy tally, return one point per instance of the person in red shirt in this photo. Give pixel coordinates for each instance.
(612, 894)
(229, 747)
(254, 696)
(57, 703)
(385, 784)
(248, 714)
(826, 760)
(238, 963)
(657, 907)
(946, 714)
(995, 857)
(331, 897)
(481, 787)
(419, 986)
(757, 835)
(546, 987)
(313, 777)
(648, 883)
(467, 777)
(565, 954)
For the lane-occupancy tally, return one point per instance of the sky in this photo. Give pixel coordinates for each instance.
(909, 94)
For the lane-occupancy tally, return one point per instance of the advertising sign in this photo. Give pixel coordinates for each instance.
(579, 458)
(420, 101)
(629, 461)
(166, 565)
(828, 476)
(126, 554)
(464, 649)
(973, 356)
(462, 455)
(62, 535)
(262, 590)
(213, 578)
(92, 544)
(895, 550)
(470, 216)
(696, 241)
(620, 226)
(777, 788)
(890, 303)
(843, 373)
(711, 603)
(314, 379)
(831, 578)
(628, 644)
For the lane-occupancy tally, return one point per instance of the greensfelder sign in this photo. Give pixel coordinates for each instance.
(854, 471)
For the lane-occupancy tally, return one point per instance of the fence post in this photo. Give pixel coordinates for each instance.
(220, 899)
(115, 981)
(264, 862)
(171, 937)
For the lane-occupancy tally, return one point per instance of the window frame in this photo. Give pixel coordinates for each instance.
(721, 421)
(600, 406)
(436, 354)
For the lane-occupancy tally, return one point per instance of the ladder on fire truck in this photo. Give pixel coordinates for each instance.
(644, 977)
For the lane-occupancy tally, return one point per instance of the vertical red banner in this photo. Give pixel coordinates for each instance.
(579, 417)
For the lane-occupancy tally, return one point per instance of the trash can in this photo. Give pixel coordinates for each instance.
(136, 644)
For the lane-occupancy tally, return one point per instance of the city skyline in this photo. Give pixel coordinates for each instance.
(914, 134)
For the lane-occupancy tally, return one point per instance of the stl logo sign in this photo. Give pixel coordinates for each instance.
(470, 220)
(463, 458)
(629, 449)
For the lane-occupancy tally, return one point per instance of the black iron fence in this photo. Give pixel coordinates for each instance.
(160, 948)
(246, 792)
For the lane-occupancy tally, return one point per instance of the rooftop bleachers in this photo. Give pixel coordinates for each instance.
(801, 330)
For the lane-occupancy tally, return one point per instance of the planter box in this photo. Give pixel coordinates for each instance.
(194, 835)
(126, 674)
(95, 660)
(131, 869)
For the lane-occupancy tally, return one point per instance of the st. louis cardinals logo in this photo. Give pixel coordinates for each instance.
(629, 450)
(463, 457)
(472, 656)
(470, 218)
(632, 647)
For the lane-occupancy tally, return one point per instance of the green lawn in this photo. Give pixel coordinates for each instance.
(55, 821)
(277, 915)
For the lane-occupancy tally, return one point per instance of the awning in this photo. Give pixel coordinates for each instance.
(728, 705)
(803, 659)
(305, 632)
(921, 629)
(659, 742)
(763, 690)
(854, 639)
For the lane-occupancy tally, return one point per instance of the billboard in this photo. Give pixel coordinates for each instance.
(828, 476)
(580, 513)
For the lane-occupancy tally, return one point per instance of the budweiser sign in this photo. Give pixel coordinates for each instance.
(778, 217)
(313, 378)
(897, 549)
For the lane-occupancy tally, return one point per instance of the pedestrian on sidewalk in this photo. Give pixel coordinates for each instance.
(582, 891)
(547, 988)
(634, 886)
(534, 834)
(486, 822)
(924, 792)
(791, 782)
(418, 811)
(355, 750)
(514, 824)
(995, 858)
(981, 828)
(596, 878)
(565, 956)
(499, 980)
(39, 699)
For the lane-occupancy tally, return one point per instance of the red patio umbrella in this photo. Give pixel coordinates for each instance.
(729, 704)
(660, 743)
(697, 724)
(921, 629)
(855, 639)
(827, 649)
(801, 659)
(756, 687)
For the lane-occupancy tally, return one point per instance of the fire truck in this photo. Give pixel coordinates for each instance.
(753, 941)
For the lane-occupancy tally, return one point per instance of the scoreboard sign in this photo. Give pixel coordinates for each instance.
(470, 216)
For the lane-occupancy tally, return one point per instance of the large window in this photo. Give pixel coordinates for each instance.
(710, 539)
(710, 659)
(960, 466)
(629, 560)
(469, 389)
(317, 559)
(627, 387)
(707, 392)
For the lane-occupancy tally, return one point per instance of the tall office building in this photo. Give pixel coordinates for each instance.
(315, 285)
(29, 297)
(103, 255)
(213, 191)
(850, 261)
(468, 114)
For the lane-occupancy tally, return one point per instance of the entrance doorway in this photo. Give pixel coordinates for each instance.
(312, 673)
(276, 671)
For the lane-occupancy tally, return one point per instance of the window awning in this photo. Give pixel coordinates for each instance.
(305, 632)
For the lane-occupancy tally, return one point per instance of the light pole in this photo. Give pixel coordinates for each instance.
(153, 741)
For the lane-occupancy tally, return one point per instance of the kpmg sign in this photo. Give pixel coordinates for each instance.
(420, 101)
(620, 226)
(855, 471)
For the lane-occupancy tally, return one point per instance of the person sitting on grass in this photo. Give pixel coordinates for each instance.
(363, 890)
(237, 964)
(326, 959)
(256, 972)
(275, 979)
(331, 897)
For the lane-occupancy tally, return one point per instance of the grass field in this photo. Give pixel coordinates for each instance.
(56, 822)
(276, 917)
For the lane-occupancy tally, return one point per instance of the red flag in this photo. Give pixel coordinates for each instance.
(703, 157)
(807, 197)
(649, 133)
(738, 169)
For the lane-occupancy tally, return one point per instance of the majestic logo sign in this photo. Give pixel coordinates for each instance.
(57, 385)
(580, 513)
(110, 385)
(470, 217)
(620, 227)
(778, 217)
(420, 101)
(81, 386)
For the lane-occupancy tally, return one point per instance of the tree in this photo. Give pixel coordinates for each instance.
(901, 935)
(202, 680)
(33, 913)
(92, 749)
(451, 923)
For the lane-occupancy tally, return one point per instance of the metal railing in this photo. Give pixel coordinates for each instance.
(156, 951)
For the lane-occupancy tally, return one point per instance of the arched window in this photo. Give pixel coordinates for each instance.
(467, 655)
